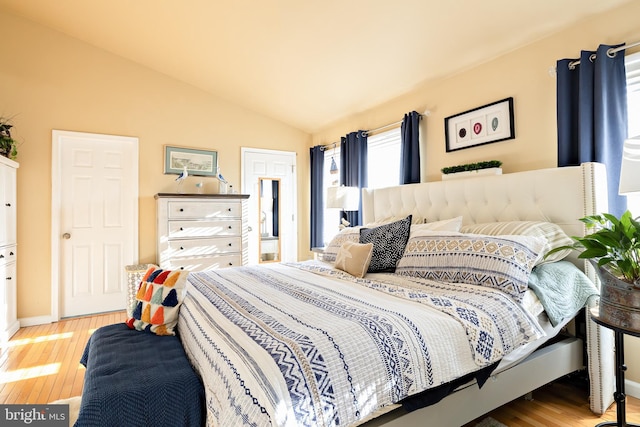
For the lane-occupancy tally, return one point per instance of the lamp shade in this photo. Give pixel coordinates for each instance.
(630, 168)
(345, 198)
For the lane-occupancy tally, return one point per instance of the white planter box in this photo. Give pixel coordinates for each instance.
(472, 174)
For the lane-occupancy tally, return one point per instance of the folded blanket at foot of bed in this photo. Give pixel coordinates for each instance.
(138, 379)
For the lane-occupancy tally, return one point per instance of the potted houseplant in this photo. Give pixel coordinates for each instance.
(614, 250)
(489, 167)
(8, 145)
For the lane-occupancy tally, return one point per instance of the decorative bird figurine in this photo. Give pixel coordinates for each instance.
(183, 175)
(222, 186)
(181, 178)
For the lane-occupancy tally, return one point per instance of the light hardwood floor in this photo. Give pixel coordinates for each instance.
(40, 365)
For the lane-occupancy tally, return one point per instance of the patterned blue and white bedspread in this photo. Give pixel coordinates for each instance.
(305, 344)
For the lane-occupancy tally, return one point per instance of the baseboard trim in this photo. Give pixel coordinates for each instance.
(632, 388)
(34, 321)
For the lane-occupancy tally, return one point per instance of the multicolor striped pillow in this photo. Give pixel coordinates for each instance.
(501, 262)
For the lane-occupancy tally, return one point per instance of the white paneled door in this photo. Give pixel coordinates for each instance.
(95, 220)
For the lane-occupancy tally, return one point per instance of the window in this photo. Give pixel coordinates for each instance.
(632, 63)
(384, 159)
(383, 156)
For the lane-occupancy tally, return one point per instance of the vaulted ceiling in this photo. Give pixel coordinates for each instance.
(307, 63)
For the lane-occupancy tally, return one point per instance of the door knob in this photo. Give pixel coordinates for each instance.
(66, 236)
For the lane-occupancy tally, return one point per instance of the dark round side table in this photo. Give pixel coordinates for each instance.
(619, 396)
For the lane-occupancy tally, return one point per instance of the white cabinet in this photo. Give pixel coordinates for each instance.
(8, 249)
(200, 232)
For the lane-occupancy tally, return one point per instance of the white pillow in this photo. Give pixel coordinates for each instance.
(445, 225)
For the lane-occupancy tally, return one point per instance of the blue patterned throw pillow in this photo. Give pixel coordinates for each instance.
(501, 262)
(389, 241)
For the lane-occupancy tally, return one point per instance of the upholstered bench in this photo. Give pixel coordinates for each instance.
(137, 378)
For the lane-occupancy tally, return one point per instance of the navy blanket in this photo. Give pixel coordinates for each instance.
(138, 379)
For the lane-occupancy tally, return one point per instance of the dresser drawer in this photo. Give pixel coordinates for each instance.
(202, 247)
(187, 229)
(8, 254)
(203, 263)
(203, 209)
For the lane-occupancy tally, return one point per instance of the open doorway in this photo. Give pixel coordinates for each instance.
(260, 166)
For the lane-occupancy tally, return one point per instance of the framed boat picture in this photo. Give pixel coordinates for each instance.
(198, 162)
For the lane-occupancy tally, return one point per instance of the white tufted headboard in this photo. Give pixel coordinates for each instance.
(559, 195)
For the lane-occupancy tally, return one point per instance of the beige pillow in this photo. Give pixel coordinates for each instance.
(354, 258)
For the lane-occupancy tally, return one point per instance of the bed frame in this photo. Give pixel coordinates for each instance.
(558, 195)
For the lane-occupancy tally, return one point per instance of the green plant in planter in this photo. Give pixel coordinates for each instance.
(8, 145)
(471, 166)
(615, 245)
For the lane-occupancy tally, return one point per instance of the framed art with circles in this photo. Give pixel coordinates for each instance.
(483, 125)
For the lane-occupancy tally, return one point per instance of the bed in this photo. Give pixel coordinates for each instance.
(309, 344)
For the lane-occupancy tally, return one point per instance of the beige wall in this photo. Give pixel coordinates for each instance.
(50, 81)
(522, 74)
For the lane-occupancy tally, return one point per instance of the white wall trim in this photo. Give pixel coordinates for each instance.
(632, 388)
(35, 321)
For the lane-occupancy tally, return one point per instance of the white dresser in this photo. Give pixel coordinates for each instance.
(200, 231)
(8, 249)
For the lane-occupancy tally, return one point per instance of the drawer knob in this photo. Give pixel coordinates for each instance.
(1, 256)
(181, 268)
(230, 263)
(9, 205)
(229, 209)
(229, 244)
(10, 253)
(181, 229)
(230, 227)
(181, 248)
(181, 210)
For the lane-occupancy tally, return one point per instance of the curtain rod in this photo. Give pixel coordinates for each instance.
(370, 131)
(611, 52)
(327, 146)
(390, 125)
